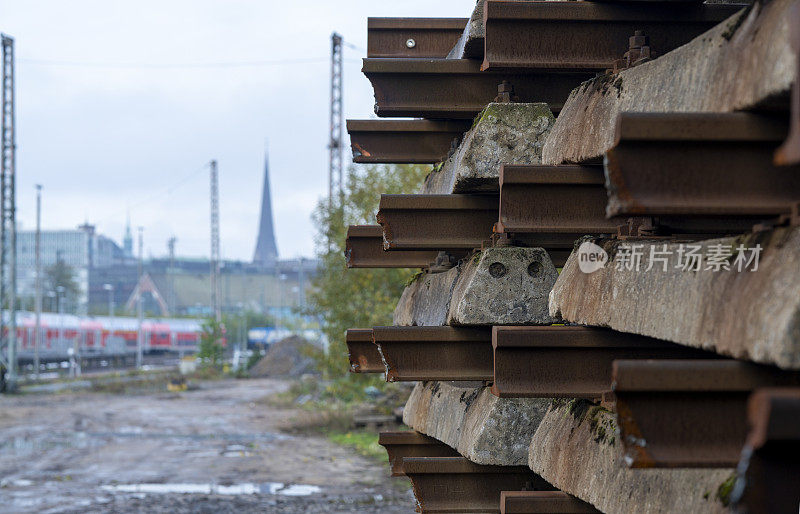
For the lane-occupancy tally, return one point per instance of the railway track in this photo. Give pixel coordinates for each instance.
(676, 175)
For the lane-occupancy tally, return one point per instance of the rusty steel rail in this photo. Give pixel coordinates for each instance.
(716, 166)
(552, 206)
(569, 361)
(457, 88)
(542, 502)
(364, 355)
(364, 249)
(687, 413)
(454, 484)
(404, 141)
(410, 443)
(789, 153)
(436, 222)
(413, 37)
(435, 353)
(769, 470)
(587, 35)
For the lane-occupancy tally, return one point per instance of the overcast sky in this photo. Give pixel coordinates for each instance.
(118, 111)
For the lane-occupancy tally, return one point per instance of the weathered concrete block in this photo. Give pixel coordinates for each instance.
(504, 286)
(498, 286)
(470, 44)
(425, 301)
(743, 62)
(502, 133)
(481, 427)
(747, 314)
(575, 449)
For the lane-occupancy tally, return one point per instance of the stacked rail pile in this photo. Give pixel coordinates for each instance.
(667, 189)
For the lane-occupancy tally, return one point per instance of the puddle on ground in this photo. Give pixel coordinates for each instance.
(235, 489)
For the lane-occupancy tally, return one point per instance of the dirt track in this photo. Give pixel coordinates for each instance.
(90, 452)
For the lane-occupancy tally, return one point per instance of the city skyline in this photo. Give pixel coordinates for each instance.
(120, 111)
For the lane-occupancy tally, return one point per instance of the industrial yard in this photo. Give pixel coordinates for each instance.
(219, 448)
(560, 275)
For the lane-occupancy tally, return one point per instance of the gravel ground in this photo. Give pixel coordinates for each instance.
(217, 449)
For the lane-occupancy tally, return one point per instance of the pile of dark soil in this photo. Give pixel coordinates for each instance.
(290, 357)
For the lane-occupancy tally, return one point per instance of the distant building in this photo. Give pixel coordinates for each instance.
(108, 274)
(186, 286)
(82, 249)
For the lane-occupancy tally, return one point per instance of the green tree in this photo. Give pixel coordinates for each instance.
(210, 349)
(63, 275)
(356, 298)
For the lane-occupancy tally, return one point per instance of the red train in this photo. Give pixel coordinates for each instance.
(104, 334)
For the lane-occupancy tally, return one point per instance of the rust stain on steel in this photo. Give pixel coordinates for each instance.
(552, 206)
(435, 353)
(457, 88)
(364, 355)
(687, 413)
(699, 165)
(789, 153)
(569, 361)
(364, 249)
(768, 473)
(404, 141)
(454, 484)
(409, 443)
(413, 37)
(542, 502)
(587, 35)
(436, 222)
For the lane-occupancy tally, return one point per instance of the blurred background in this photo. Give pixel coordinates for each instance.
(178, 260)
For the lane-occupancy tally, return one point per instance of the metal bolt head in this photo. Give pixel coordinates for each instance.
(639, 40)
(410, 43)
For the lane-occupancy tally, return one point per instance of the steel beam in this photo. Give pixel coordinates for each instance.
(454, 484)
(436, 222)
(569, 361)
(769, 470)
(435, 353)
(413, 37)
(364, 355)
(542, 502)
(404, 141)
(457, 88)
(789, 153)
(552, 206)
(587, 35)
(687, 413)
(699, 165)
(364, 249)
(410, 443)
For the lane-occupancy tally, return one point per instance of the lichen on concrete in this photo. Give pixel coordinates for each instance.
(750, 315)
(570, 451)
(481, 427)
(502, 133)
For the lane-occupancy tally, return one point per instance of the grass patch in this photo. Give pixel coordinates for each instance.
(365, 443)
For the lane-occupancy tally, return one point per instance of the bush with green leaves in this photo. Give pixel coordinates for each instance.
(210, 350)
(356, 298)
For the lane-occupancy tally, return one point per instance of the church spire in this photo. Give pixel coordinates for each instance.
(266, 250)
(127, 242)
